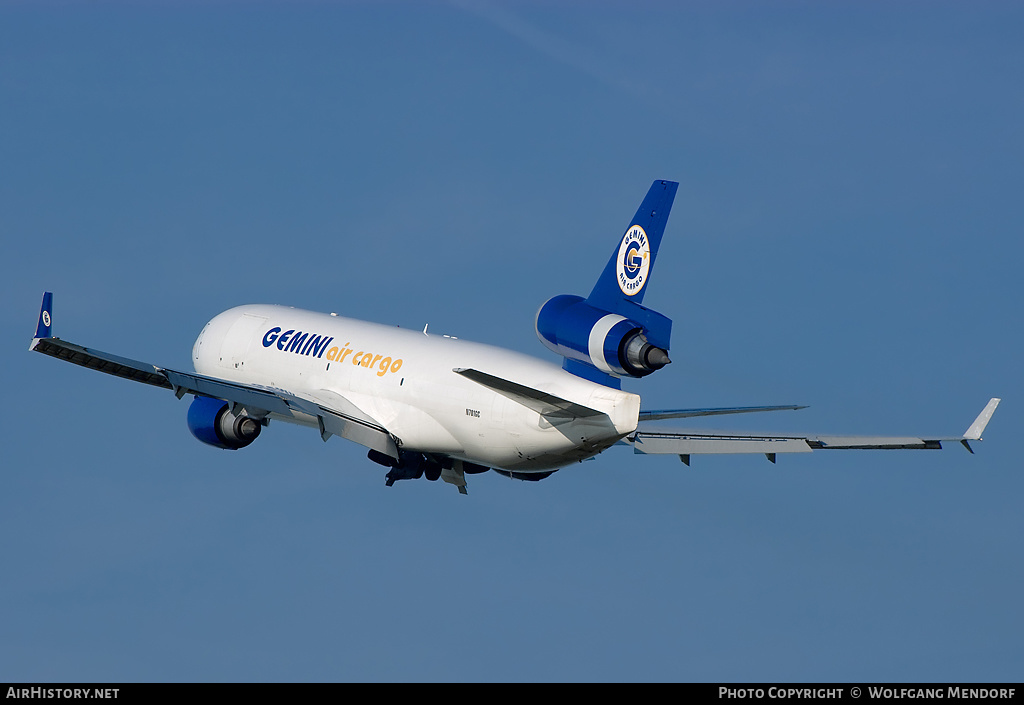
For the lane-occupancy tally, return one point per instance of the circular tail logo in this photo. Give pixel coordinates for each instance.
(634, 261)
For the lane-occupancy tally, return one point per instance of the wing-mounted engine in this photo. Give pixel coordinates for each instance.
(610, 342)
(212, 422)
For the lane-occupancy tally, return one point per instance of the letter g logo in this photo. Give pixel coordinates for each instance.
(634, 261)
(270, 337)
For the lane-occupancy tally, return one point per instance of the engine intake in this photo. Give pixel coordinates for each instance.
(612, 343)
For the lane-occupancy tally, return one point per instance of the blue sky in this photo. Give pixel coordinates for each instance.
(846, 235)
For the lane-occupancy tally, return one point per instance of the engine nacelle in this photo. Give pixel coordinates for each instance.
(211, 421)
(614, 344)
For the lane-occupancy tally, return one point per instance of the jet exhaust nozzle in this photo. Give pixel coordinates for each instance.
(642, 358)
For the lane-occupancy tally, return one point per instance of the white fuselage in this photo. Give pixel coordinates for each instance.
(404, 380)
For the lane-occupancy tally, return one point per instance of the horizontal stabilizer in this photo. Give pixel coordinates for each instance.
(689, 413)
(543, 403)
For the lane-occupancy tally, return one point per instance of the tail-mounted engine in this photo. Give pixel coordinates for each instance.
(610, 342)
(610, 334)
(212, 422)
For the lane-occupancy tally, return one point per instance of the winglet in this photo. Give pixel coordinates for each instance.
(43, 329)
(974, 432)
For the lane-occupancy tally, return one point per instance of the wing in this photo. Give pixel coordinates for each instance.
(337, 417)
(687, 442)
(543, 403)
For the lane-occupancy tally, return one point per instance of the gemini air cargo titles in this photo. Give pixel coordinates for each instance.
(436, 407)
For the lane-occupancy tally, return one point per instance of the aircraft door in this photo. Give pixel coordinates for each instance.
(236, 343)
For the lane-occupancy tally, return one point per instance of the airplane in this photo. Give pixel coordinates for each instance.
(439, 407)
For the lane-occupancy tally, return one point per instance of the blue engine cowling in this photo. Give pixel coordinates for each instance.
(612, 343)
(211, 421)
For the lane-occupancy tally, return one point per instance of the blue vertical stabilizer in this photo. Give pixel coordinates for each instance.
(609, 335)
(624, 280)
